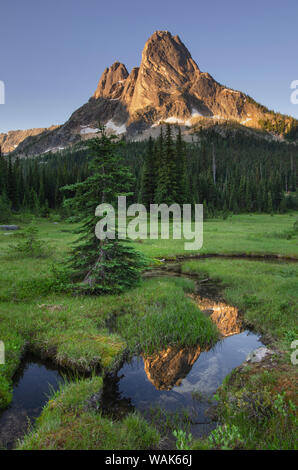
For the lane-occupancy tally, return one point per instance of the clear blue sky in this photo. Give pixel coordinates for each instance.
(52, 53)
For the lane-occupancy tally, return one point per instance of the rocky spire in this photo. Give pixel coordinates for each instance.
(166, 68)
(112, 81)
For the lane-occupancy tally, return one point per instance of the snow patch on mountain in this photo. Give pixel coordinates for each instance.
(246, 120)
(117, 129)
(173, 120)
(195, 113)
(88, 130)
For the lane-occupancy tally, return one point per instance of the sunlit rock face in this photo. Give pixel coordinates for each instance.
(111, 83)
(226, 317)
(166, 71)
(170, 366)
(129, 87)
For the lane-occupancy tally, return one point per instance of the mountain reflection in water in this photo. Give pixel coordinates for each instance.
(174, 379)
(225, 316)
(169, 367)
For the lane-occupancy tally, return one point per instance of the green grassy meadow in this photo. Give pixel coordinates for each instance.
(240, 234)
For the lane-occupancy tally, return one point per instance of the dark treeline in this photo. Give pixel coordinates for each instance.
(236, 173)
(34, 184)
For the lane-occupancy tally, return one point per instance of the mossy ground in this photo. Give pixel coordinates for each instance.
(257, 408)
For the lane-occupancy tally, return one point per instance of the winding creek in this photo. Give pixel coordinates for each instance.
(175, 380)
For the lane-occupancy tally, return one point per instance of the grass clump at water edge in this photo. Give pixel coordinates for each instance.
(69, 422)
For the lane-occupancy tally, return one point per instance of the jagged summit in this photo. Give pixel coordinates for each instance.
(162, 47)
(168, 86)
(166, 62)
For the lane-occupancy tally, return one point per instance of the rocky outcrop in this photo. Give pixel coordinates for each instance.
(9, 227)
(112, 81)
(129, 88)
(258, 355)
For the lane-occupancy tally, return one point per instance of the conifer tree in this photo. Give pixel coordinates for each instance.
(149, 176)
(269, 203)
(5, 210)
(3, 174)
(11, 184)
(110, 265)
(183, 196)
(166, 190)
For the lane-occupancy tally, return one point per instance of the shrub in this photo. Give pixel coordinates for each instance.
(30, 245)
(5, 211)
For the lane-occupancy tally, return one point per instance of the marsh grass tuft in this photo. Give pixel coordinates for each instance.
(168, 319)
(67, 423)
